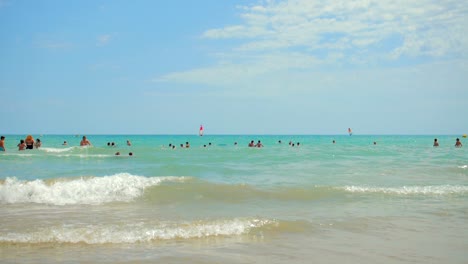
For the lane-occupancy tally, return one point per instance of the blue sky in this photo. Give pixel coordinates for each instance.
(237, 67)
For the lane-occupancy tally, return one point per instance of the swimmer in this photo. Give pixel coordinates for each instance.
(252, 144)
(259, 144)
(21, 145)
(38, 143)
(29, 142)
(279, 141)
(187, 145)
(458, 143)
(117, 153)
(64, 143)
(85, 142)
(128, 143)
(2, 143)
(436, 143)
(130, 153)
(375, 143)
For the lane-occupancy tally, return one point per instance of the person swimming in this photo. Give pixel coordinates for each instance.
(436, 143)
(458, 143)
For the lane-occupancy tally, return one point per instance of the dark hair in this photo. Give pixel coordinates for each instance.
(3, 137)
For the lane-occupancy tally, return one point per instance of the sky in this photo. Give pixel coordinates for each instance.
(237, 67)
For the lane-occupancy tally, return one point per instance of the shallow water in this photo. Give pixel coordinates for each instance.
(399, 201)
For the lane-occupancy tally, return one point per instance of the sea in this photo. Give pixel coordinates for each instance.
(398, 200)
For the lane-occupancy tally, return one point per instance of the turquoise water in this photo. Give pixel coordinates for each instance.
(400, 200)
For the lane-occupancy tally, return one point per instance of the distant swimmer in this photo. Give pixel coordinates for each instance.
(85, 142)
(187, 145)
(279, 141)
(252, 144)
(21, 145)
(458, 143)
(64, 143)
(375, 142)
(334, 141)
(38, 143)
(129, 143)
(436, 143)
(2, 143)
(259, 144)
(29, 142)
(117, 153)
(130, 154)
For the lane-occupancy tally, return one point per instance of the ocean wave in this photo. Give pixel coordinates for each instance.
(122, 187)
(463, 167)
(410, 190)
(141, 232)
(57, 150)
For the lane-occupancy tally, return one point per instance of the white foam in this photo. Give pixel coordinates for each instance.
(411, 190)
(122, 187)
(137, 233)
(56, 150)
(463, 167)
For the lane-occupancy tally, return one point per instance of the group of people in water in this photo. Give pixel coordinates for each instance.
(30, 143)
(458, 143)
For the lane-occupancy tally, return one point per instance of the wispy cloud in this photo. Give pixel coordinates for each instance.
(305, 34)
(103, 40)
(427, 27)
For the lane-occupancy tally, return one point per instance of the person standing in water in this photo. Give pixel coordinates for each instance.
(436, 143)
(22, 145)
(38, 143)
(85, 142)
(458, 143)
(29, 142)
(2, 143)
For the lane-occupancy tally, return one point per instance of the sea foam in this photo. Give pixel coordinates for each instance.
(138, 232)
(56, 150)
(122, 187)
(410, 190)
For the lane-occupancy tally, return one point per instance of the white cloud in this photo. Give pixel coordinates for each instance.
(438, 26)
(277, 36)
